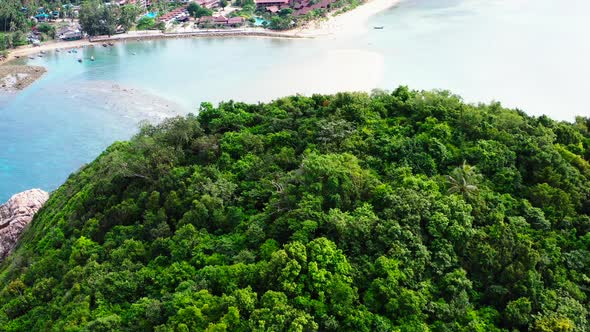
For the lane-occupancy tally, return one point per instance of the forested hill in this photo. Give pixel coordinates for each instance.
(407, 211)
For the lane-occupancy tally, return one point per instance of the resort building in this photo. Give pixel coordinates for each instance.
(270, 3)
(206, 21)
(71, 32)
(220, 21)
(140, 3)
(303, 7)
(235, 22)
(178, 14)
(208, 3)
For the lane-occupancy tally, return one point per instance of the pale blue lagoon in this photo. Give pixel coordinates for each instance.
(524, 53)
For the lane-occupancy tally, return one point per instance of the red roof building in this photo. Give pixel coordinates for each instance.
(268, 3)
(206, 19)
(235, 21)
(304, 7)
(208, 3)
(220, 19)
(176, 13)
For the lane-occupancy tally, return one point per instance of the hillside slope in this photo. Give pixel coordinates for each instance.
(407, 211)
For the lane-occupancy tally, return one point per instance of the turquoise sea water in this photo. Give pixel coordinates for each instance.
(525, 53)
(259, 21)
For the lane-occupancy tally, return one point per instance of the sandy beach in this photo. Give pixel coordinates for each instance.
(25, 51)
(349, 23)
(28, 50)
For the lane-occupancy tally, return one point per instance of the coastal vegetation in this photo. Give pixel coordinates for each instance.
(13, 23)
(146, 23)
(11, 16)
(197, 11)
(304, 12)
(96, 18)
(394, 211)
(32, 22)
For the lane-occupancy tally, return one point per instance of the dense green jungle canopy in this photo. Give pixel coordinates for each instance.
(408, 211)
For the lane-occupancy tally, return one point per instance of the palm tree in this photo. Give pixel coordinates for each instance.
(463, 180)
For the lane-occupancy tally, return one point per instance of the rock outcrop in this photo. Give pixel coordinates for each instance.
(15, 215)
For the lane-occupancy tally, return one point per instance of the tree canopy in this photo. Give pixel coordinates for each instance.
(401, 211)
(97, 18)
(195, 10)
(11, 16)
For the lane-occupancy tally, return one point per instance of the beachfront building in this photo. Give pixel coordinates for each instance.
(302, 7)
(235, 22)
(178, 14)
(271, 3)
(220, 21)
(70, 32)
(71, 35)
(206, 21)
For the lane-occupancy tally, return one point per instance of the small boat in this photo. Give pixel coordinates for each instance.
(74, 51)
(378, 27)
(92, 58)
(31, 57)
(111, 44)
(104, 45)
(69, 51)
(57, 50)
(80, 60)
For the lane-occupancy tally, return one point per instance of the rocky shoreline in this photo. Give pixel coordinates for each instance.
(18, 77)
(16, 214)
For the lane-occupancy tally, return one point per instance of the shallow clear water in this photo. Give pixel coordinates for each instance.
(259, 21)
(525, 53)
